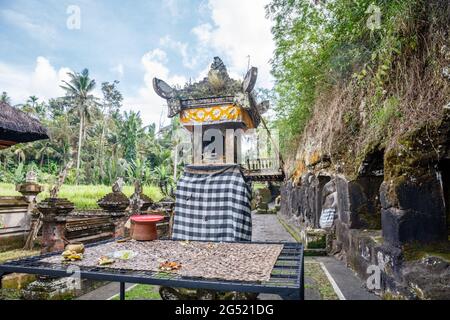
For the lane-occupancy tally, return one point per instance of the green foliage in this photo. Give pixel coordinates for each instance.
(130, 131)
(93, 132)
(384, 115)
(321, 44)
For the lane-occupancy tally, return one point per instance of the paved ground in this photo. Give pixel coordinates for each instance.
(266, 227)
(104, 293)
(348, 283)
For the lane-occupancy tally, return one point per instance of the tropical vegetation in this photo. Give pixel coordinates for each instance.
(104, 141)
(362, 56)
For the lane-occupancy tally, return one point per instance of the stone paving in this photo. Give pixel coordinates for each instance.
(266, 227)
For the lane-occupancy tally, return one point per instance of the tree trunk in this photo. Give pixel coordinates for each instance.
(102, 174)
(79, 147)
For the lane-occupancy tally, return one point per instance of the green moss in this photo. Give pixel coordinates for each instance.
(290, 230)
(320, 243)
(415, 151)
(414, 251)
(378, 239)
(392, 296)
(10, 294)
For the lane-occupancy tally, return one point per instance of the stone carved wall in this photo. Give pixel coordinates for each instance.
(374, 220)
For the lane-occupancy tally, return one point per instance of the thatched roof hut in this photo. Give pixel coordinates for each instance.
(16, 127)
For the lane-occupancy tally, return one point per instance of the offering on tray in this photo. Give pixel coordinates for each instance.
(76, 247)
(169, 266)
(105, 261)
(70, 255)
(123, 254)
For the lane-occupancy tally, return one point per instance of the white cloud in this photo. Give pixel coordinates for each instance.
(203, 32)
(152, 107)
(175, 7)
(43, 81)
(189, 59)
(33, 29)
(240, 29)
(118, 69)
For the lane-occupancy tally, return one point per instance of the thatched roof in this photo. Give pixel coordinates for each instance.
(16, 126)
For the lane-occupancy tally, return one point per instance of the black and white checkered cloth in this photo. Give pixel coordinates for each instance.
(213, 204)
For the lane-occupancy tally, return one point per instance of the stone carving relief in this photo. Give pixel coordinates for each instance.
(329, 205)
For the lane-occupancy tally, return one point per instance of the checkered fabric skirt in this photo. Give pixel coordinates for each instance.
(212, 204)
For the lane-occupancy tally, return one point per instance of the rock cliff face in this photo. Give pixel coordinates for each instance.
(382, 215)
(386, 188)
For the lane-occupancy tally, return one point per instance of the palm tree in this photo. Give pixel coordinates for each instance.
(130, 131)
(32, 100)
(78, 92)
(5, 98)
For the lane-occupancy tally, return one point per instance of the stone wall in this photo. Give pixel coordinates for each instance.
(376, 222)
(14, 222)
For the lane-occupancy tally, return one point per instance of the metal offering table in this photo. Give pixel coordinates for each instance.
(286, 278)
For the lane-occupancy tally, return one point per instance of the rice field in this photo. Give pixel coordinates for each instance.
(83, 196)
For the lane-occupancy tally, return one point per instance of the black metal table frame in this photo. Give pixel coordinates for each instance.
(287, 277)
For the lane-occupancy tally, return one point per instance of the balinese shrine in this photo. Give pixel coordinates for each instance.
(213, 195)
(17, 127)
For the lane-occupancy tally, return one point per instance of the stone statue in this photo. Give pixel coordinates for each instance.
(118, 185)
(54, 191)
(31, 177)
(139, 201)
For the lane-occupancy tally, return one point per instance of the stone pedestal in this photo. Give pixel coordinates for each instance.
(30, 190)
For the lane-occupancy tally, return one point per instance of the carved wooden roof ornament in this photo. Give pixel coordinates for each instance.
(217, 89)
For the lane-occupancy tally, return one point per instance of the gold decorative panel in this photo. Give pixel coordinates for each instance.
(216, 115)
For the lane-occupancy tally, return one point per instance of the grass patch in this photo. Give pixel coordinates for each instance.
(8, 190)
(321, 283)
(16, 254)
(83, 196)
(142, 292)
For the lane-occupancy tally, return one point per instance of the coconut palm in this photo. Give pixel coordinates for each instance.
(79, 94)
(5, 98)
(32, 100)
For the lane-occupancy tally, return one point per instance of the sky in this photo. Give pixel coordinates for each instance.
(130, 41)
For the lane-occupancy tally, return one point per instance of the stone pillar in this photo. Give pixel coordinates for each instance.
(53, 234)
(119, 220)
(54, 217)
(30, 189)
